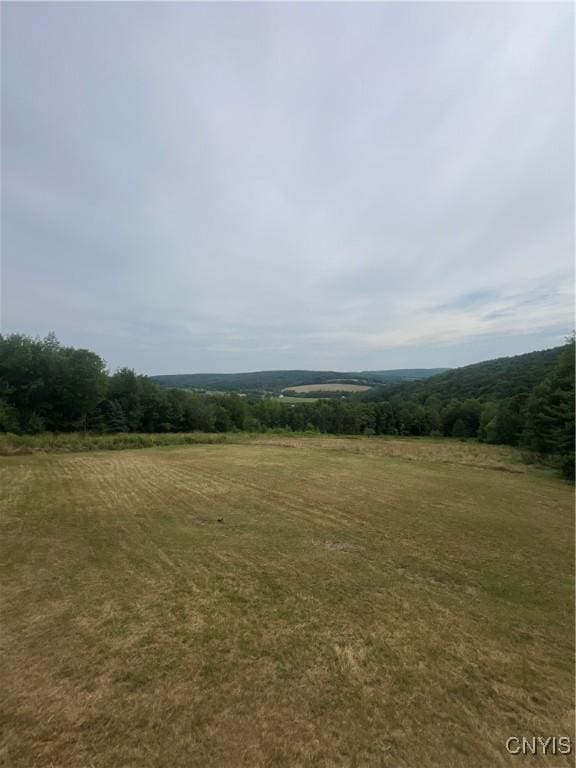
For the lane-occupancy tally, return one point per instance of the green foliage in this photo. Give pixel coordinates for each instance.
(35, 425)
(9, 419)
(550, 413)
(503, 422)
(117, 421)
(466, 414)
(488, 381)
(487, 419)
(59, 385)
(124, 389)
(460, 429)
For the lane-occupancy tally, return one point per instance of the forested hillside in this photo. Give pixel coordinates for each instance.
(491, 380)
(526, 400)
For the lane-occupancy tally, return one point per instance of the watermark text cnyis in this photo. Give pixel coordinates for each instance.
(539, 745)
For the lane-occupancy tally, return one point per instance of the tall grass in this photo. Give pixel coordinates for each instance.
(49, 442)
(71, 442)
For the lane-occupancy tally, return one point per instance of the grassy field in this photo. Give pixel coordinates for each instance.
(284, 602)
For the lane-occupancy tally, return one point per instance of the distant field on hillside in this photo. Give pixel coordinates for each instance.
(329, 387)
(284, 602)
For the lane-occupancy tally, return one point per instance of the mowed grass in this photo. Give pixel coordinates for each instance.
(363, 602)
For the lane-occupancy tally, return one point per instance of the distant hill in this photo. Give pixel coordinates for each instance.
(275, 381)
(491, 380)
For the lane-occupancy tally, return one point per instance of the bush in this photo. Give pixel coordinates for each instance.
(35, 425)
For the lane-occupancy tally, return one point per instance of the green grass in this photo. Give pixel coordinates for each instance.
(363, 602)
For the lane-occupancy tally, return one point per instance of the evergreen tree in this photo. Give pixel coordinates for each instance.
(550, 413)
(460, 428)
(35, 424)
(116, 420)
(9, 419)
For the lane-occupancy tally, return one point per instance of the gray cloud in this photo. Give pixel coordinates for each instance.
(239, 186)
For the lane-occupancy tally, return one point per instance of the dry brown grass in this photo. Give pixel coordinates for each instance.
(422, 450)
(363, 603)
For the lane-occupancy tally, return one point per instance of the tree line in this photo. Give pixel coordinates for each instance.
(45, 386)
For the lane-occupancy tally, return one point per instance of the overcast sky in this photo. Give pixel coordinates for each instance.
(231, 187)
